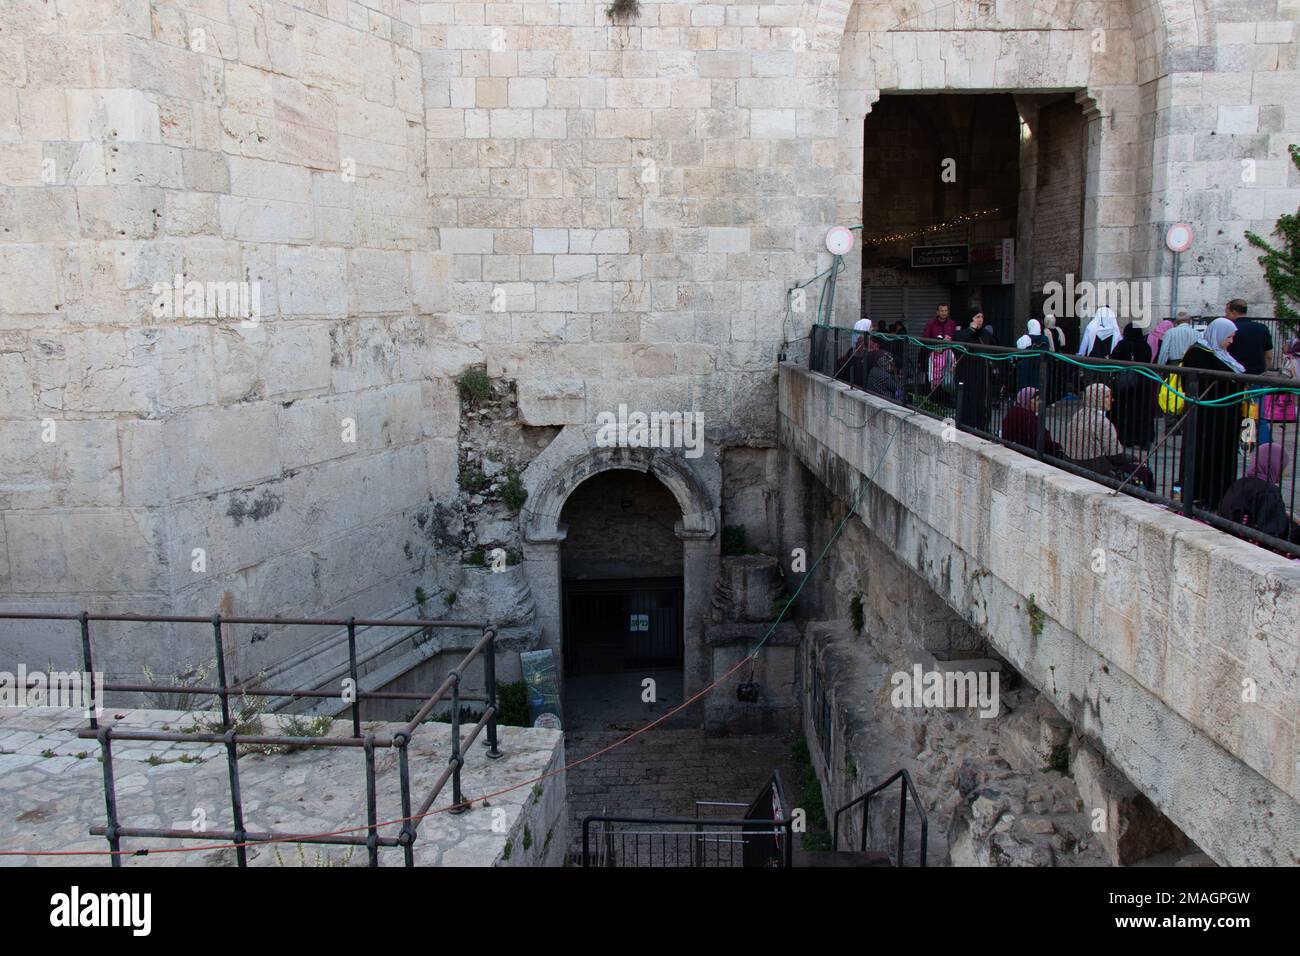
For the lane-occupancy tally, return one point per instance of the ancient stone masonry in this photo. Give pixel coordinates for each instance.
(312, 307)
(599, 212)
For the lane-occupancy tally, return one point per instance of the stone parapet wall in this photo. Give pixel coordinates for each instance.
(1148, 660)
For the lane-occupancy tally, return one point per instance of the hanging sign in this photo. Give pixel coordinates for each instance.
(940, 257)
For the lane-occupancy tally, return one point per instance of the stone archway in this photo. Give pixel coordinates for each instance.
(1112, 60)
(572, 458)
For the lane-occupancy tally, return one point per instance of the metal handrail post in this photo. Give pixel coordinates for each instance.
(490, 667)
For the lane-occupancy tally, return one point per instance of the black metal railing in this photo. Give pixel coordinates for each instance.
(368, 743)
(1282, 331)
(1181, 443)
(615, 841)
(905, 790)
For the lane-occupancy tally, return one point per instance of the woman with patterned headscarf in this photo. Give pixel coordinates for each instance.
(1092, 442)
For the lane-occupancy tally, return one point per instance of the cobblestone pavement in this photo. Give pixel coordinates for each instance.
(665, 770)
(51, 791)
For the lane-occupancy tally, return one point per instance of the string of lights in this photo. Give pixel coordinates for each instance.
(964, 218)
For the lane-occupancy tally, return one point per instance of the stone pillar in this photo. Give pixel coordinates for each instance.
(700, 556)
(542, 569)
(1025, 209)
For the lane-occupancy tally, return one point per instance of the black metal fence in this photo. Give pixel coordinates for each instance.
(368, 743)
(1174, 436)
(1282, 331)
(685, 841)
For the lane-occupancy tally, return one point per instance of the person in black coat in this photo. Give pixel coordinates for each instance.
(1215, 429)
(1134, 411)
(973, 400)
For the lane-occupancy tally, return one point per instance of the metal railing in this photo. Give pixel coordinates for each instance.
(615, 841)
(1281, 331)
(1180, 453)
(905, 790)
(368, 743)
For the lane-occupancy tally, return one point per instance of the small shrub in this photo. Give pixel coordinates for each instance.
(182, 698)
(513, 492)
(320, 858)
(420, 596)
(1059, 760)
(810, 791)
(528, 837)
(298, 726)
(451, 599)
(476, 558)
(512, 704)
(475, 386)
(1037, 617)
(623, 10)
(473, 480)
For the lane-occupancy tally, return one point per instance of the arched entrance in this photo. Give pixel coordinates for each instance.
(1117, 62)
(621, 577)
(613, 532)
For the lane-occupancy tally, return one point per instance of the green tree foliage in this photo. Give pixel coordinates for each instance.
(1282, 262)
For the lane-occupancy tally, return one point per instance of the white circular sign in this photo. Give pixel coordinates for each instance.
(1179, 237)
(839, 240)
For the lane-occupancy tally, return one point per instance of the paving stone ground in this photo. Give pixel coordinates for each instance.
(663, 771)
(51, 791)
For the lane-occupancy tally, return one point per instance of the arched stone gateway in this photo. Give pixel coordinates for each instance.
(695, 484)
(1121, 59)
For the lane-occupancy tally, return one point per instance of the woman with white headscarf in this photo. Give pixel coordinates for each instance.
(1055, 335)
(1217, 427)
(1027, 368)
(1101, 335)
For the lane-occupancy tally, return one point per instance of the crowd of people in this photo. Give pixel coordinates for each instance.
(1117, 413)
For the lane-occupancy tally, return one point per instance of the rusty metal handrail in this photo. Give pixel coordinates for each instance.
(239, 836)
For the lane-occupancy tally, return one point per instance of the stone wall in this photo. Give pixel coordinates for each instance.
(1059, 172)
(1150, 659)
(599, 212)
(621, 525)
(276, 462)
(1008, 785)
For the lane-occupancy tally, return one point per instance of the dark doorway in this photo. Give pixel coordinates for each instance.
(622, 600)
(622, 624)
(941, 172)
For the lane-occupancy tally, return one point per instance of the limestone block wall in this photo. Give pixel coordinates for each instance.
(167, 456)
(634, 197)
(1177, 661)
(600, 212)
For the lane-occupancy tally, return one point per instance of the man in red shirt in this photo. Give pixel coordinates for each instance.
(941, 326)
